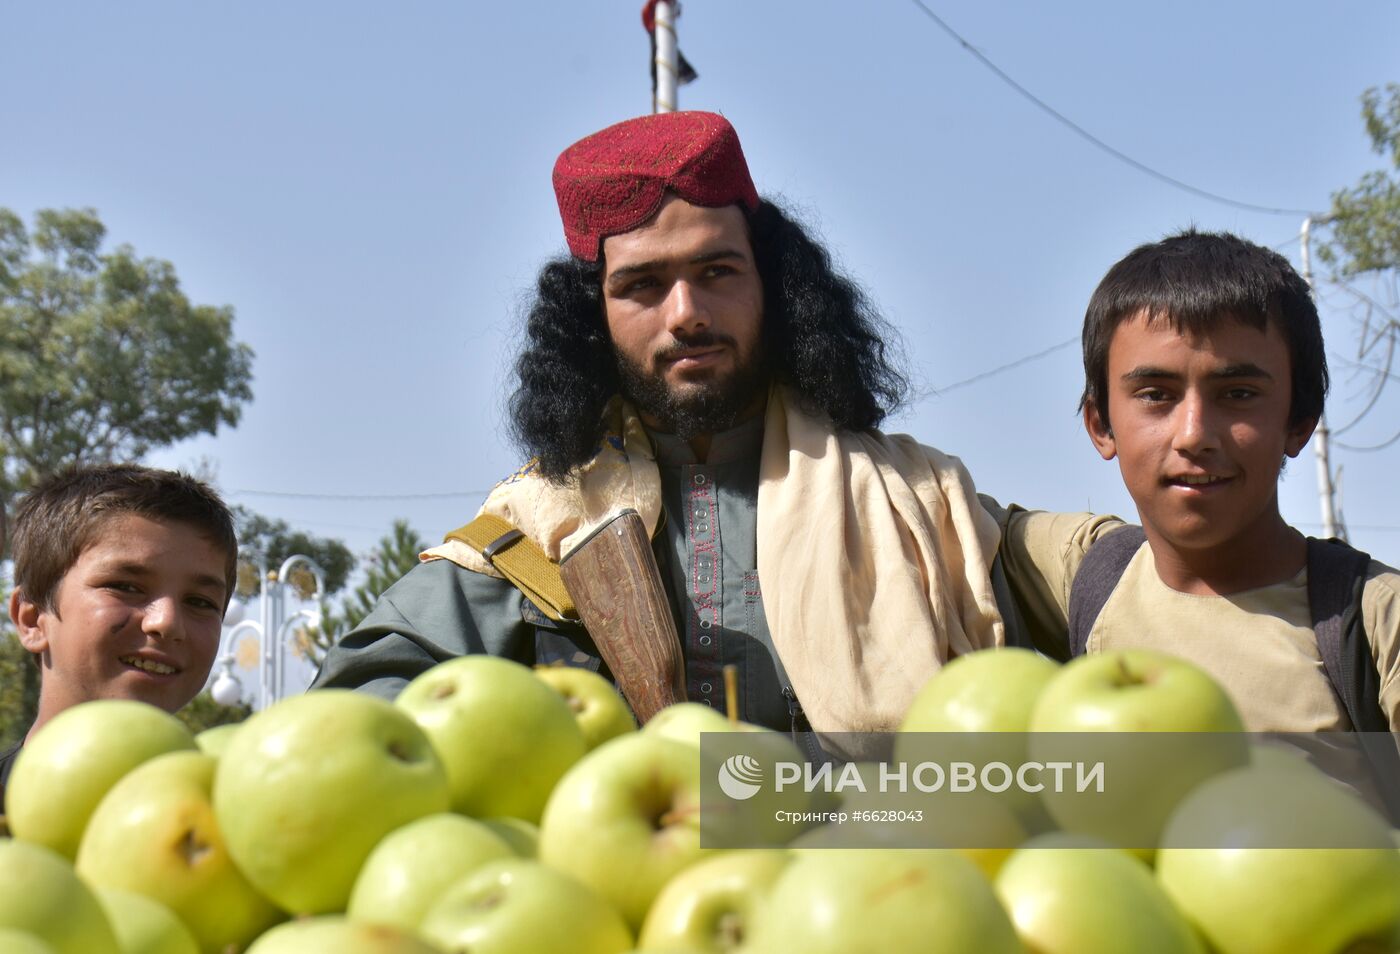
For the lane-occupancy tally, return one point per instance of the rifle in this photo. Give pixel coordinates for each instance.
(616, 588)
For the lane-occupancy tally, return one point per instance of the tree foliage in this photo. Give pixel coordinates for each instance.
(275, 540)
(102, 356)
(395, 555)
(1366, 217)
(19, 689)
(204, 713)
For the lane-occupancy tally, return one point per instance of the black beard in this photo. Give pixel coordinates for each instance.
(706, 408)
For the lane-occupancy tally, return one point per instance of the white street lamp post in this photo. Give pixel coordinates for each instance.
(273, 627)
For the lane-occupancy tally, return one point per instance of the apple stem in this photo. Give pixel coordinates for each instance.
(193, 848)
(1126, 677)
(731, 692)
(674, 815)
(730, 930)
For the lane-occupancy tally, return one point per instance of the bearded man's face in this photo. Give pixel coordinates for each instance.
(684, 307)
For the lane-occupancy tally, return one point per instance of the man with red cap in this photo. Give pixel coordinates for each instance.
(697, 359)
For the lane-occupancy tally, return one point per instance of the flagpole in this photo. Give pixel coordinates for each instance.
(667, 63)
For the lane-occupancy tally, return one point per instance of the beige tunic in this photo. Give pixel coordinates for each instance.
(1259, 644)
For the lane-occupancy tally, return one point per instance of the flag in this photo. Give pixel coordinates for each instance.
(684, 71)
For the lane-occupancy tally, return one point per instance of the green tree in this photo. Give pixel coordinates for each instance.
(275, 540)
(395, 555)
(19, 688)
(102, 356)
(1366, 217)
(204, 713)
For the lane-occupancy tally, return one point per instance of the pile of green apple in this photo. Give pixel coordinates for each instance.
(496, 809)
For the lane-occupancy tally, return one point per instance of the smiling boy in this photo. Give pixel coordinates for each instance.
(1204, 370)
(122, 575)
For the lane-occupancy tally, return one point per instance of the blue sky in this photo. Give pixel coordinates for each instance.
(368, 187)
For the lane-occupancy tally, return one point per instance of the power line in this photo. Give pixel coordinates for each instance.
(1007, 367)
(301, 496)
(1094, 140)
(1356, 526)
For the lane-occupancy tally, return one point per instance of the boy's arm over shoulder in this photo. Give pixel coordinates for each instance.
(1040, 553)
(435, 612)
(1380, 614)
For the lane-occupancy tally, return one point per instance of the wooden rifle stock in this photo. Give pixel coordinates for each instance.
(616, 587)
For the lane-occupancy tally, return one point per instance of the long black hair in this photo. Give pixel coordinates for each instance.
(821, 337)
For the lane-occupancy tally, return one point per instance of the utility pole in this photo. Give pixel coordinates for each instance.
(1332, 526)
(667, 64)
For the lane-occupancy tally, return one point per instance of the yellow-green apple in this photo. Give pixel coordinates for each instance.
(40, 894)
(155, 834)
(981, 828)
(991, 691)
(522, 836)
(685, 721)
(984, 692)
(63, 772)
(22, 942)
(868, 901)
(601, 712)
(1067, 898)
(504, 736)
(307, 788)
(518, 906)
(336, 934)
(1158, 724)
(144, 926)
(710, 905)
(213, 741)
(411, 867)
(1238, 859)
(626, 819)
(729, 822)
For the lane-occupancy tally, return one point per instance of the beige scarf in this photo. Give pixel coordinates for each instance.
(873, 552)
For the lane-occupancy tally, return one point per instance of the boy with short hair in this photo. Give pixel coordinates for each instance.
(1205, 370)
(122, 576)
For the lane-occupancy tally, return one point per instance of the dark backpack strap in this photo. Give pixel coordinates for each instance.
(1098, 574)
(1336, 576)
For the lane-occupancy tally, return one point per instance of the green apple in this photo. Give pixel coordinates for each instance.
(990, 691)
(993, 691)
(1166, 726)
(63, 772)
(155, 834)
(504, 735)
(336, 933)
(601, 711)
(22, 942)
(307, 788)
(411, 867)
(1065, 898)
(1231, 861)
(213, 741)
(981, 828)
(626, 819)
(731, 823)
(685, 721)
(710, 905)
(41, 895)
(522, 836)
(517, 906)
(867, 901)
(144, 926)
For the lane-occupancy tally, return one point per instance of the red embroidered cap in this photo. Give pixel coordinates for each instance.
(614, 180)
